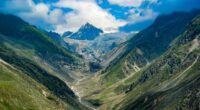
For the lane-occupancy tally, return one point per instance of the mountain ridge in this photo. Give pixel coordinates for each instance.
(86, 32)
(150, 43)
(38, 57)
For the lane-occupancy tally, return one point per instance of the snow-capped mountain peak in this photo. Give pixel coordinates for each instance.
(87, 32)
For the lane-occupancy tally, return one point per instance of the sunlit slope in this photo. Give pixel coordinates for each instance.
(172, 81)
(147, 45)
(31, 51)
(20, 92)
(28, 41)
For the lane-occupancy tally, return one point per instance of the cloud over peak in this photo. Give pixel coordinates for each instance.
(87, 11)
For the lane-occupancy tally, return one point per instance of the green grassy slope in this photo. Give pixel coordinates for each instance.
(19, 92)
(20, 36)
(172, 81)
(147, 45)
(31, 51)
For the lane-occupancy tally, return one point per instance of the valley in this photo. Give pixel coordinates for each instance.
(157, 68)
(106, 95)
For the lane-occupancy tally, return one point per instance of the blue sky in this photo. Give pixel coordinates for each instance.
(109, 15)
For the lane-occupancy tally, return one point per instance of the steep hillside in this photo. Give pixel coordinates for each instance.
(32, 52)
(20, 92)
(172, 81)
(20, 36)
(147, 45)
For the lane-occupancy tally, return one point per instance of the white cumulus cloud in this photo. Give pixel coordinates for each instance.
(131, 3)
(141, 15)
(87, 11)
(127, 3)
(51, 16)
(38, 14)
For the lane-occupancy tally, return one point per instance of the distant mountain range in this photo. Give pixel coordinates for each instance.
(90, 41)
(67, 33)
(95, 49)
